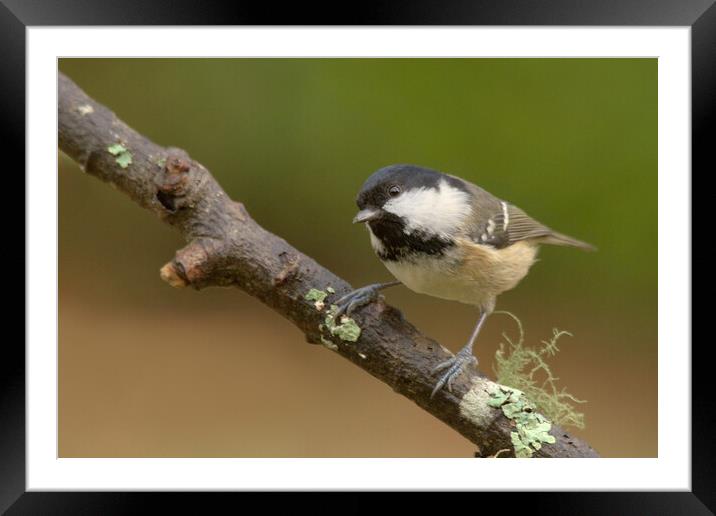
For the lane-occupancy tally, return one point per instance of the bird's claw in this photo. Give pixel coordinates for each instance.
(357, 298)
(454, 367)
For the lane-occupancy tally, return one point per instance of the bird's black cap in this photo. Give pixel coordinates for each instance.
(374, 191)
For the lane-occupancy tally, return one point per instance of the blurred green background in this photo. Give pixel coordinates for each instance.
(147, 370)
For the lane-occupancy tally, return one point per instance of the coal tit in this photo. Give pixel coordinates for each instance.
(446, 237)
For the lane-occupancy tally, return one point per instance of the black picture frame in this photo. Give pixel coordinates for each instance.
(16, 15)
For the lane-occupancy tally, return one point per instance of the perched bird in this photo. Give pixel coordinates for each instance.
(446, 237)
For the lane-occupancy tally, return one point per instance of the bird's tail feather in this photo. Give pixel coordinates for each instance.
(559, 239)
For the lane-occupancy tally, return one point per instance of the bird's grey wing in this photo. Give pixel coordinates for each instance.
(501, 224)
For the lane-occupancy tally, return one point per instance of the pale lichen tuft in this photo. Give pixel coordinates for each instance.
(526, 370)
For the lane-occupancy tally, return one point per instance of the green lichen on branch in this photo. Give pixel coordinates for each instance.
(345, 329)
(531, 428)
(317, 296)
(526, 370)
(123, 157)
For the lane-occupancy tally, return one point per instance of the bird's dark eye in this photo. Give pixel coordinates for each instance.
(394, 190)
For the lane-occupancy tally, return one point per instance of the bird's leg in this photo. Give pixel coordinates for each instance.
(360, 297)
(455, 365)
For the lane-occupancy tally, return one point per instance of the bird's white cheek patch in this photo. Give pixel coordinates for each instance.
(439, 211)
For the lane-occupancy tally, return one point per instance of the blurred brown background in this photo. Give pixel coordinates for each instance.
(149, 371)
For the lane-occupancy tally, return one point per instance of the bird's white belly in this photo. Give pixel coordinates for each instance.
(437, 277)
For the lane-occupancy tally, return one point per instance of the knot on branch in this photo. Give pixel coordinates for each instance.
(289, 269)
(192, 200)
(179, 183)
(195, 265)
(173, 181)
(173, 274)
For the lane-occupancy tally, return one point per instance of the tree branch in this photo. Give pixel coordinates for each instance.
(226, 247)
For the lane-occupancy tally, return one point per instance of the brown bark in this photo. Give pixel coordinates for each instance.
(226, 247)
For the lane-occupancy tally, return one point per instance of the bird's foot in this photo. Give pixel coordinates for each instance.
(357, 298)
(454, 367)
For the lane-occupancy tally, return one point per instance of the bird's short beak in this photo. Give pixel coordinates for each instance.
(366, 215)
